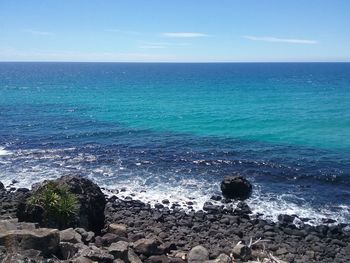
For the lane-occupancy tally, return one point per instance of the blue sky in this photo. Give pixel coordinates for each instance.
(178, 30)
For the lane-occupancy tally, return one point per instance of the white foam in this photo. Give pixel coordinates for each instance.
(37, 165)
(4, 152)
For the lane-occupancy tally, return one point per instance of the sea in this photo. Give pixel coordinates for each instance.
(174, 130)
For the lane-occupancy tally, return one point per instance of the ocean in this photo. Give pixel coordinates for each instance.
(173, 130)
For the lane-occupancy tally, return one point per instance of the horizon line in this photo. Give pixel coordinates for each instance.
(165, 62)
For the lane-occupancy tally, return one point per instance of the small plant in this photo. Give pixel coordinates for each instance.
(60, 206)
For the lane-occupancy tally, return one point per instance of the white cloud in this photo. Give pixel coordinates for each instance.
(184, 34)
(39, 33)
(158, 45)
(281, 40)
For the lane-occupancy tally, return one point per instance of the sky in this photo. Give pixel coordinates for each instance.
(175, 31)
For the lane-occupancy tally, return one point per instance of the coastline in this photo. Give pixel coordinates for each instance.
(216, 228)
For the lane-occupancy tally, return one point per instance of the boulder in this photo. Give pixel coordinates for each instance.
(70, 235)
(87, 236)
(148, 247)
(119, 250)
(198, 254)
(70, 250)
(91, 204)
(236, 187)
(43, 239)
(117, 229)
(1, 186)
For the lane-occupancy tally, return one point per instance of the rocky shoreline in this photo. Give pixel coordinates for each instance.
(136, 232)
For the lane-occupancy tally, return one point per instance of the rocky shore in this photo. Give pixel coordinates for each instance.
(111, 229)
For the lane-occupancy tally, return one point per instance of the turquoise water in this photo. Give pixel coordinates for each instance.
(287, 122)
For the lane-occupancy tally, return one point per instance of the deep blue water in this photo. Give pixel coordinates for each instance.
(174, 130)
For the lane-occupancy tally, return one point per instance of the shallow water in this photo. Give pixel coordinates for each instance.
(174, 130)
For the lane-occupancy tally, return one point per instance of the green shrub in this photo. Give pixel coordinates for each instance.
(60, 206)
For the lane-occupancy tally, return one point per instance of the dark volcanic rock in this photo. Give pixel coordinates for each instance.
(236, 187)
(91, 204)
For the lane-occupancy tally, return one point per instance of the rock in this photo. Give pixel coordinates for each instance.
(158, 259)
(117, 229)
(148, 247)
(91, 200)
(110, 238)
(216, 197)
(119, 250)
(210, 208)
(91, 204)
(1, 186)
(222, 258)
(242, 209)
(69, 250)
(198, 254)
(236, 187)
(241, 251)
(82, 260)
(286, 219)
(87, 236)
(70, 235)
(132, 257)
(99, 255)
(43, 239)
(32, 213)
(165, 201)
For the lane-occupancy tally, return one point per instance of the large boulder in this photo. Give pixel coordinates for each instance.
(236, 187)
(91, 203)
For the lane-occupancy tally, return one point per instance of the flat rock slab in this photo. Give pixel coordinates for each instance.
(45, 240)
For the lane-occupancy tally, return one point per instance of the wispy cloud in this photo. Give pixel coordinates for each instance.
(281, 40)
(185, 34)
(159, 45)
(120, 31)
(39, 33)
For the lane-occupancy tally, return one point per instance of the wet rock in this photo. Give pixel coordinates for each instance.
(216, 197)
(236, 187)
(286, 219)
(242, 209)
(198, 254)
(1, 186)
(165, 201)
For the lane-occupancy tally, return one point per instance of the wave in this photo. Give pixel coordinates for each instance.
(4, 152)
